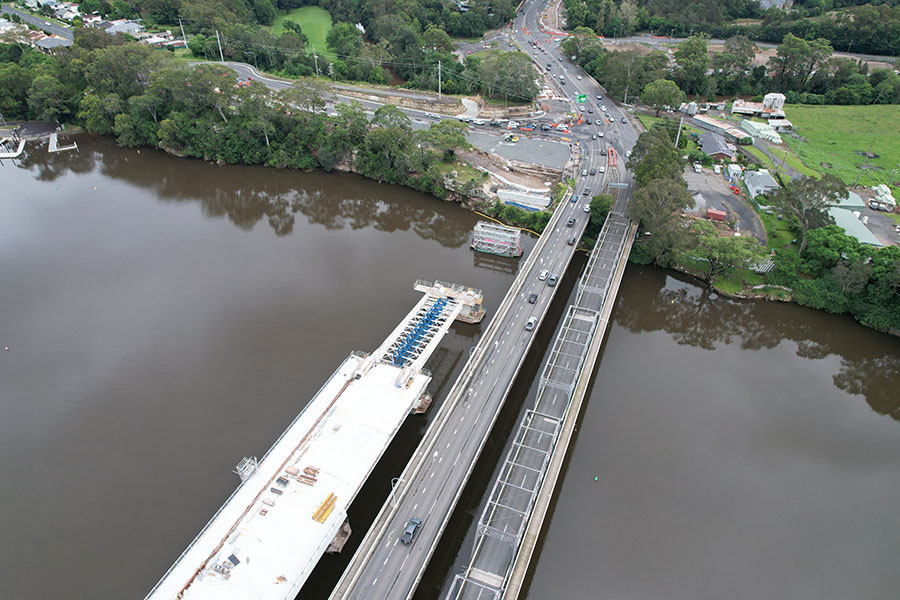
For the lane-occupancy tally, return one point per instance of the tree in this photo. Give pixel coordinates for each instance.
(48, 99)
(306, 94)
(436, 38)
(388, 115)
(722, 254)
(660, 161)
(14, 84)
(692, 56)
(98, 114)
(737, 56)
(448, 136)
(657, 206)
(662, 93)
(806, 200)
(344, 39)
(796, 59)
(508, 75)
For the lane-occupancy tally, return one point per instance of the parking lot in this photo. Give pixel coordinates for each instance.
(713, 191)
(881, 226)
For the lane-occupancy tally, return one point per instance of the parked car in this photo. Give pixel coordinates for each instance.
(545, 127)
(601, 134)
(409, 533)
(697, 168)
(593, 136)
(588, 121)
(590, 110)
(717, 169)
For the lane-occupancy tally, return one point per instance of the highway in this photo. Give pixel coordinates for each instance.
(432, 483)
(48, 26)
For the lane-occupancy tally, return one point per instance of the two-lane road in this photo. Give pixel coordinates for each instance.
(48, 26)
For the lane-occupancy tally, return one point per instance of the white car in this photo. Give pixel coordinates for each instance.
(602, 169)
(717, 170)
(600, 133)
(587, 208)
(698, 168)
(543, 275)
(579, 78)
(512, 125)
(478, 121)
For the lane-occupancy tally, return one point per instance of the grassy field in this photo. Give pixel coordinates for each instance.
(315, 23)
(834, 135)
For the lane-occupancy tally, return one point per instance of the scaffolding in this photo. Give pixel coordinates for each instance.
(496, 239)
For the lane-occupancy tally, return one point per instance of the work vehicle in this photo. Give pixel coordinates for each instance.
(412, 528)
(529, 325)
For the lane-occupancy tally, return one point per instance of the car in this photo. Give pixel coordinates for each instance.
(512, 125)
(697, 168)
(628, 154)
(552, 281)
(478, 121)
(545, 127)
(600, 104)
(599, 97)
(624, 120)
(586, 192)
(409, 533)
(590, 110)
(561, 127)
(593, 135)
(532, 299)
(587, 208)
(601, 134)
(603, 108)
(584, 172)
(571, 241)
(529, 325)
(549, 65)
(602, 153)
(579, 78)
(543, 275)
(593, 171)
(570, 222)
(602, 169)
(717, 169)
(574, 198)
(588, 121)
(559, 59)
(432, 116)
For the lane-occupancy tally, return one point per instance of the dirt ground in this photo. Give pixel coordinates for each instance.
(712, 191)
(481, 159)
(642, 49)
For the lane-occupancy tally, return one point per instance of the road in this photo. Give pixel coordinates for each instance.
(48, 26)
(432, 485)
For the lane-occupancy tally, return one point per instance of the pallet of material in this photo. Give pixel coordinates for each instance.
(324, 510)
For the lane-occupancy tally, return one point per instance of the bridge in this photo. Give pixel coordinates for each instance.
(291, 505)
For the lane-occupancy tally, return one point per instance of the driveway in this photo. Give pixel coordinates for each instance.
(712, 191)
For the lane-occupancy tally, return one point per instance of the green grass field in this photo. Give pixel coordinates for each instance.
(834, 134)
(315, 23)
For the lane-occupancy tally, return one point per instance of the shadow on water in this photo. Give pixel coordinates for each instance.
(695, 316)
(246, 196)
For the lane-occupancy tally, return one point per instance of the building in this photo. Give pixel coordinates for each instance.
(771, 107)
(761, 130)
(718, 126)
(49, 45)
(781, 125)
(715, 146)
(759, 182)
(122, 26)
(733, 172)
(848, 220)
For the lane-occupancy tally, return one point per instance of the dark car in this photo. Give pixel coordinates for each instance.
(532, 299)
(590, 110)
(552, 281)
(412, 528)
(545, 127)
(602, 151)
(570, 222)
(588, 121)
(593, 171)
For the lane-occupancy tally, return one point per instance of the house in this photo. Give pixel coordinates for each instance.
(715, 146)
(781, 125)
(49, 45)
(66, 14)
(31, 4)
(122, 26)
(91, 20)
(759, 182)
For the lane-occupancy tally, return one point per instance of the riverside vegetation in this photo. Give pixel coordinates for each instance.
(829, 270)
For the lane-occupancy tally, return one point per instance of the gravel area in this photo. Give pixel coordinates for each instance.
(712, 191)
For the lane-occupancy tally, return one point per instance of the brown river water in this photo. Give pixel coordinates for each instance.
(166, 317)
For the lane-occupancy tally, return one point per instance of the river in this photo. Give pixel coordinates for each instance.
(166, 317)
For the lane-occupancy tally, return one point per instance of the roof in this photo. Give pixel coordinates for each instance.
(848, 221)
(853, 201)
(51, 42)
(780, 123)
(758, 182)
(713, 143)
(123, 27)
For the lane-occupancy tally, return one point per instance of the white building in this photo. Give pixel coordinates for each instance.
(759, 182)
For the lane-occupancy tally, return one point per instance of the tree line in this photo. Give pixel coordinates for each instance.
(806, 72)
(867, 27)
(145, 98)
(827, 269)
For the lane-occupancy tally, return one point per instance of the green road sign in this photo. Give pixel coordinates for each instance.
(582, 97)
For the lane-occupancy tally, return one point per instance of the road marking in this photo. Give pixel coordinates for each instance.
(385, 562)
(374, 582)
(448, 444)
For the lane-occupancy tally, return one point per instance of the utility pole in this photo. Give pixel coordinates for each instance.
(439, 80)
(678, 135)
(863, 165)
(183, 37)
(218, 41)
(316, 60)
